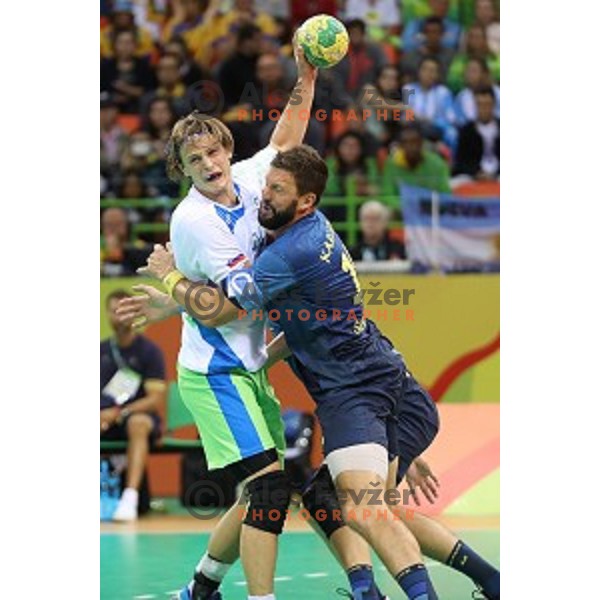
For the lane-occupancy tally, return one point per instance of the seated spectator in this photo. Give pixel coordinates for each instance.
(113, 138)
(475, 47)
(126, 77)
(432, 104)
(308, 8)
(133, 186)
(487, 16)
(413, 165)
(119, 255)
(215, 39)
(363, 60)
(187, 16)
(412, 36)
(350, 161)
(272, 94)
(158, 122)
(382, 18)
(122, 19)
(190, 72)
(478, 153)
(238, 72)
(433, 31)
(144, 155)
(375, 241)
(170, 85)
(132, 392)
(384, 95)
(477, 75)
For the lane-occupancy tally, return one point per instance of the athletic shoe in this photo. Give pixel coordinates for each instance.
(126, 511)
(187, 593)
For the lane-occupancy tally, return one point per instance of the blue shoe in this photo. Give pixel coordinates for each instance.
(359, 594)
(187, 593)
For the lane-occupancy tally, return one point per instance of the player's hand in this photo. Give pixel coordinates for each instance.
(150, 306)
(160, 263)
(420, 476)
(306, 71)
(108, 417)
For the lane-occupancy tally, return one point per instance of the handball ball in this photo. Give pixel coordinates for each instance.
(324, 40)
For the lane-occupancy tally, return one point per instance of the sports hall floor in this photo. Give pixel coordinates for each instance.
(155, 556)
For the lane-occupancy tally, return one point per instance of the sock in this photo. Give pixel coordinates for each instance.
(465, 560)
(362, 580)
(130, 496)
(416, 583)
(209, 574)
(267, 597)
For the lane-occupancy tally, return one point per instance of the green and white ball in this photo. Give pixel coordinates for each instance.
(324, 40)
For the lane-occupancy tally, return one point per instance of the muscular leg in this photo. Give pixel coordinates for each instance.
(258, 550)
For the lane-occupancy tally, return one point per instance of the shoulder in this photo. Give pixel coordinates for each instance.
(190, 212)
(104, 346)
(435, 160)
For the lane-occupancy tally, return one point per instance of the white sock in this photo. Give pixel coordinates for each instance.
(130, 496)
(267, 597)
(212, 568)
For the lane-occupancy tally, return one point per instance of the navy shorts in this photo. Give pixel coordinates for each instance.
(365, 412)
(418, 423)
(118, 432)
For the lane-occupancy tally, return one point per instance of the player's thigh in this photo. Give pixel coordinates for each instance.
(271, 410)
(226, 410)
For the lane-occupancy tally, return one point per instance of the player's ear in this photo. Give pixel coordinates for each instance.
(308, 200)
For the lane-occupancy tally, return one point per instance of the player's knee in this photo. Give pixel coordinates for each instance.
(268, 500)
(320, 500)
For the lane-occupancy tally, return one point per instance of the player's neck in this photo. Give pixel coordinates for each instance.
(227, 198)
(279, 232)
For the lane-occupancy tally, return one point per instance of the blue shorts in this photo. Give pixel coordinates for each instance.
(417, 423)
(365, 412)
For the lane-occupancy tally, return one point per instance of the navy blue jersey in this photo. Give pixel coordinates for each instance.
(306, 284)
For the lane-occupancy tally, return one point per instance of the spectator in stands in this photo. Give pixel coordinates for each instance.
(477, 75)
(272, 94)
(363, 60)
(433, 31)
(382, 18)
(190, 72)
(239, 71)
(375, 241)
(215, 39)
(487, 16)
(170, 85)
(384, 95)
(411, 164)
(478, 153)
(126, 76)
(120, 256)
(432, 103)
(133, 186)
(132, 393)
(187, 16)
(350, 161)
(308, 8)
(476, 47)
(158, 122)
(122, 19)
(413, 32)
(113, 138)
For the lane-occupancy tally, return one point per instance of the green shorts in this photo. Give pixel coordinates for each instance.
(237, 414)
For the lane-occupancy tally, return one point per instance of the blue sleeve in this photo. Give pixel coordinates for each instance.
(254, 287)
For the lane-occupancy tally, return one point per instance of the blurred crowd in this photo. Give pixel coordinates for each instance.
(415, 100)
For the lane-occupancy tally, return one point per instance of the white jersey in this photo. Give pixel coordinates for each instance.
(210, 240)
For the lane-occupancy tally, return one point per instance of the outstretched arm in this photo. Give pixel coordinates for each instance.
(292, 126)
(148, 307)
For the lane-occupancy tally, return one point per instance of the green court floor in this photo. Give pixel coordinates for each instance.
(151, 566)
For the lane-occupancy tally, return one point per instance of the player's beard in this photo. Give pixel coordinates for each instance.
(275, 219)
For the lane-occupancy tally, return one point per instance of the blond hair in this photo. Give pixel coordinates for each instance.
(193, 124)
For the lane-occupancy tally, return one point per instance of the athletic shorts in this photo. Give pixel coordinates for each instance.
(365, 412)
(417, 423)
(237, 414)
